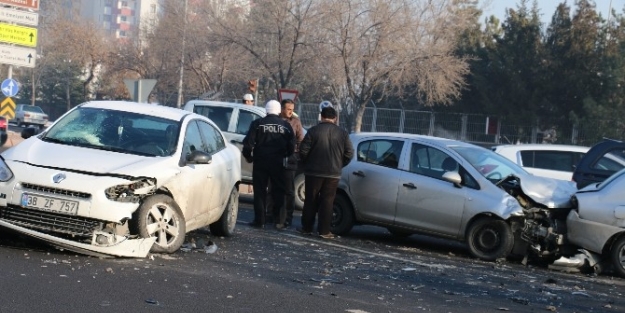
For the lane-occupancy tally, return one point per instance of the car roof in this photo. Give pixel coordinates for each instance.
(540, 146)
(141, 108)
(257, 109)
(437, 140)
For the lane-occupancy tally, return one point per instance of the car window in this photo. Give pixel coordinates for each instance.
(245, 119)
(192, 140)
(213, 138)
(32, 108)
(490, 164)
(219, 115)
(613, 160)
(550, 160)
(382, 152)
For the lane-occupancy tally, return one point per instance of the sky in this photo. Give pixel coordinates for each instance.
(547, 7)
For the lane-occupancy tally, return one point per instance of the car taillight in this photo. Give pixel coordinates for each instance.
(3, 123)
(26, 115)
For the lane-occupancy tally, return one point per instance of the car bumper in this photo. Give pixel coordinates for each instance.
(123, 247)
(588, 234)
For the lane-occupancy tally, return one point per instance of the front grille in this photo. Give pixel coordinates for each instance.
(57, 191)
(49, 222)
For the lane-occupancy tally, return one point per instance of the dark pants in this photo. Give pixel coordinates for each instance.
(320, 193)
(289, 193)
(263, 172)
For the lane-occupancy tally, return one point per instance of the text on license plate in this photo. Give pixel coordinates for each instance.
(50, 204)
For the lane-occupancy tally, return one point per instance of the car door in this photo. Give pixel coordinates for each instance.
(425, 201)
(198, 180)
(600, 162)
(242, 122)
(374, 177)
(221, 163)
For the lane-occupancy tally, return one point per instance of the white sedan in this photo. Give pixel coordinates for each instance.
(121, 179)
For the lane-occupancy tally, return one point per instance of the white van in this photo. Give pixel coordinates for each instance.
(554, 161)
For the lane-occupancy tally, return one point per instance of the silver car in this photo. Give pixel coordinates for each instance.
(597, 222)
(26, 114)
(446, 188)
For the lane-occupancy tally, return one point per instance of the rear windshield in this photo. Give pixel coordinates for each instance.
(32, 108)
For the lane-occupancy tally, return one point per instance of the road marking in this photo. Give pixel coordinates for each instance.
(382, 255)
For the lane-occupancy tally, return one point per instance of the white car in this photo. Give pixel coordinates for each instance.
(122, 179)
(553, 161)
(26, 114)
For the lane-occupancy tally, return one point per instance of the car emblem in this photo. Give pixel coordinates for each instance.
(58, 178)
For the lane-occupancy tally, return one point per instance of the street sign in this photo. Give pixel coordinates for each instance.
(28, 4)
(140, 89)
(10, 87)
(18, 56)
(287, 94)
(7, 108)
(19, 16)
(19, 35)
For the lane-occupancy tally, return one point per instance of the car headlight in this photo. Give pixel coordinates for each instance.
(133, 191)
(5, 171)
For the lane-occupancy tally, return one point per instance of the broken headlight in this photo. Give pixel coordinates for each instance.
(133, 191)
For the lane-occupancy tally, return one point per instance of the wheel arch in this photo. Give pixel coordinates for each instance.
(607, 247)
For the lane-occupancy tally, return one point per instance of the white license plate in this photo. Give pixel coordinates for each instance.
(50, 204)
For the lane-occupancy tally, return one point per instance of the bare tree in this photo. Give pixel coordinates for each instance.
(375, 48)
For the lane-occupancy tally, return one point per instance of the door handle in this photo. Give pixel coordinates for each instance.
(359, 173)
(410, 185)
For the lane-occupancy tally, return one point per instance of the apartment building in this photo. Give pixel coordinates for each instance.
(121, 18)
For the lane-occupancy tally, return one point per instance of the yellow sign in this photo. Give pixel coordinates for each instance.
(7, 108)
(19, 35)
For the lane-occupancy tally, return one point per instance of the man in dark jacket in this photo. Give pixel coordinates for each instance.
(325, 150)
(268, 142)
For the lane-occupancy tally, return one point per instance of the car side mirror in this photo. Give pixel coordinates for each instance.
(199, 157)
(28, 132)
(453, 177)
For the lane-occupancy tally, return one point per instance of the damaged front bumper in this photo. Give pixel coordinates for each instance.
(121, 246)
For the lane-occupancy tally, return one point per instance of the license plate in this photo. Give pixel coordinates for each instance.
(50, 204)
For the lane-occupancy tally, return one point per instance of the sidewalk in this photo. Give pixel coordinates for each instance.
(13, 139)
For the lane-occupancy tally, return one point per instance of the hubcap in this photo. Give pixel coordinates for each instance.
(488, 239)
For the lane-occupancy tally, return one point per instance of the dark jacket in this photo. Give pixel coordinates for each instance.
(325, 150)
(269, 138)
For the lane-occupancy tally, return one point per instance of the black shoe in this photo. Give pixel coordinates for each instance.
(256, 225)
(303, 232)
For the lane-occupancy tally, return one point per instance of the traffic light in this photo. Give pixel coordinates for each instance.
(252, 85)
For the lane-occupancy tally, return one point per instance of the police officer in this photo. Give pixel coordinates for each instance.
(268, 142)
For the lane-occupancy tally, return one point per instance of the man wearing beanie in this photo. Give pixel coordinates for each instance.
(268, 142)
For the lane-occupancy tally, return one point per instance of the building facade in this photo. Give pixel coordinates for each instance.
(122, 18)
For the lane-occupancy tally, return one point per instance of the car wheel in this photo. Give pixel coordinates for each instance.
(228, 220)
(399, 232)
(617, 255)
(342, 215)
(490, 239)
(159, 216)
(300, 191)
(19, 123)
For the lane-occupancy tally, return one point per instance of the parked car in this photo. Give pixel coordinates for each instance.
(121, 178)
(3, 130)
(26, 115)
(597, 222)
(234, 120)
(452, 189)
(600, 162)
(553, 161)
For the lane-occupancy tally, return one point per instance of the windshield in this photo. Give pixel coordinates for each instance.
(490, 164)
(116, 131)
(610, 179)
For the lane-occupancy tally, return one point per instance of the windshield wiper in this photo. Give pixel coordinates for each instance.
(54, 140)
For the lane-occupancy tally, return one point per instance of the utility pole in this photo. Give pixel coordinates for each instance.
(184, 39)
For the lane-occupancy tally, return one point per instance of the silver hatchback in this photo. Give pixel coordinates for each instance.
(446, 188)
(26, 114)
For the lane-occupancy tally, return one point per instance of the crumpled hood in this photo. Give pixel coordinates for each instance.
(553, 193)
(41, 153)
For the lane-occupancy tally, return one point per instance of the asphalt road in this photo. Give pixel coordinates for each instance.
(283, 271)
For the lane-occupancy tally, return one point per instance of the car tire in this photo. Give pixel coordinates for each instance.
(401, 233)
(617, 256)
(159, 216)
(224, 227)
(300, 191)
(342, 215)
(18, 122)
(490, 239)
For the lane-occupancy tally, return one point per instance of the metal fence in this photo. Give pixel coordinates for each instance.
(476, 128)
